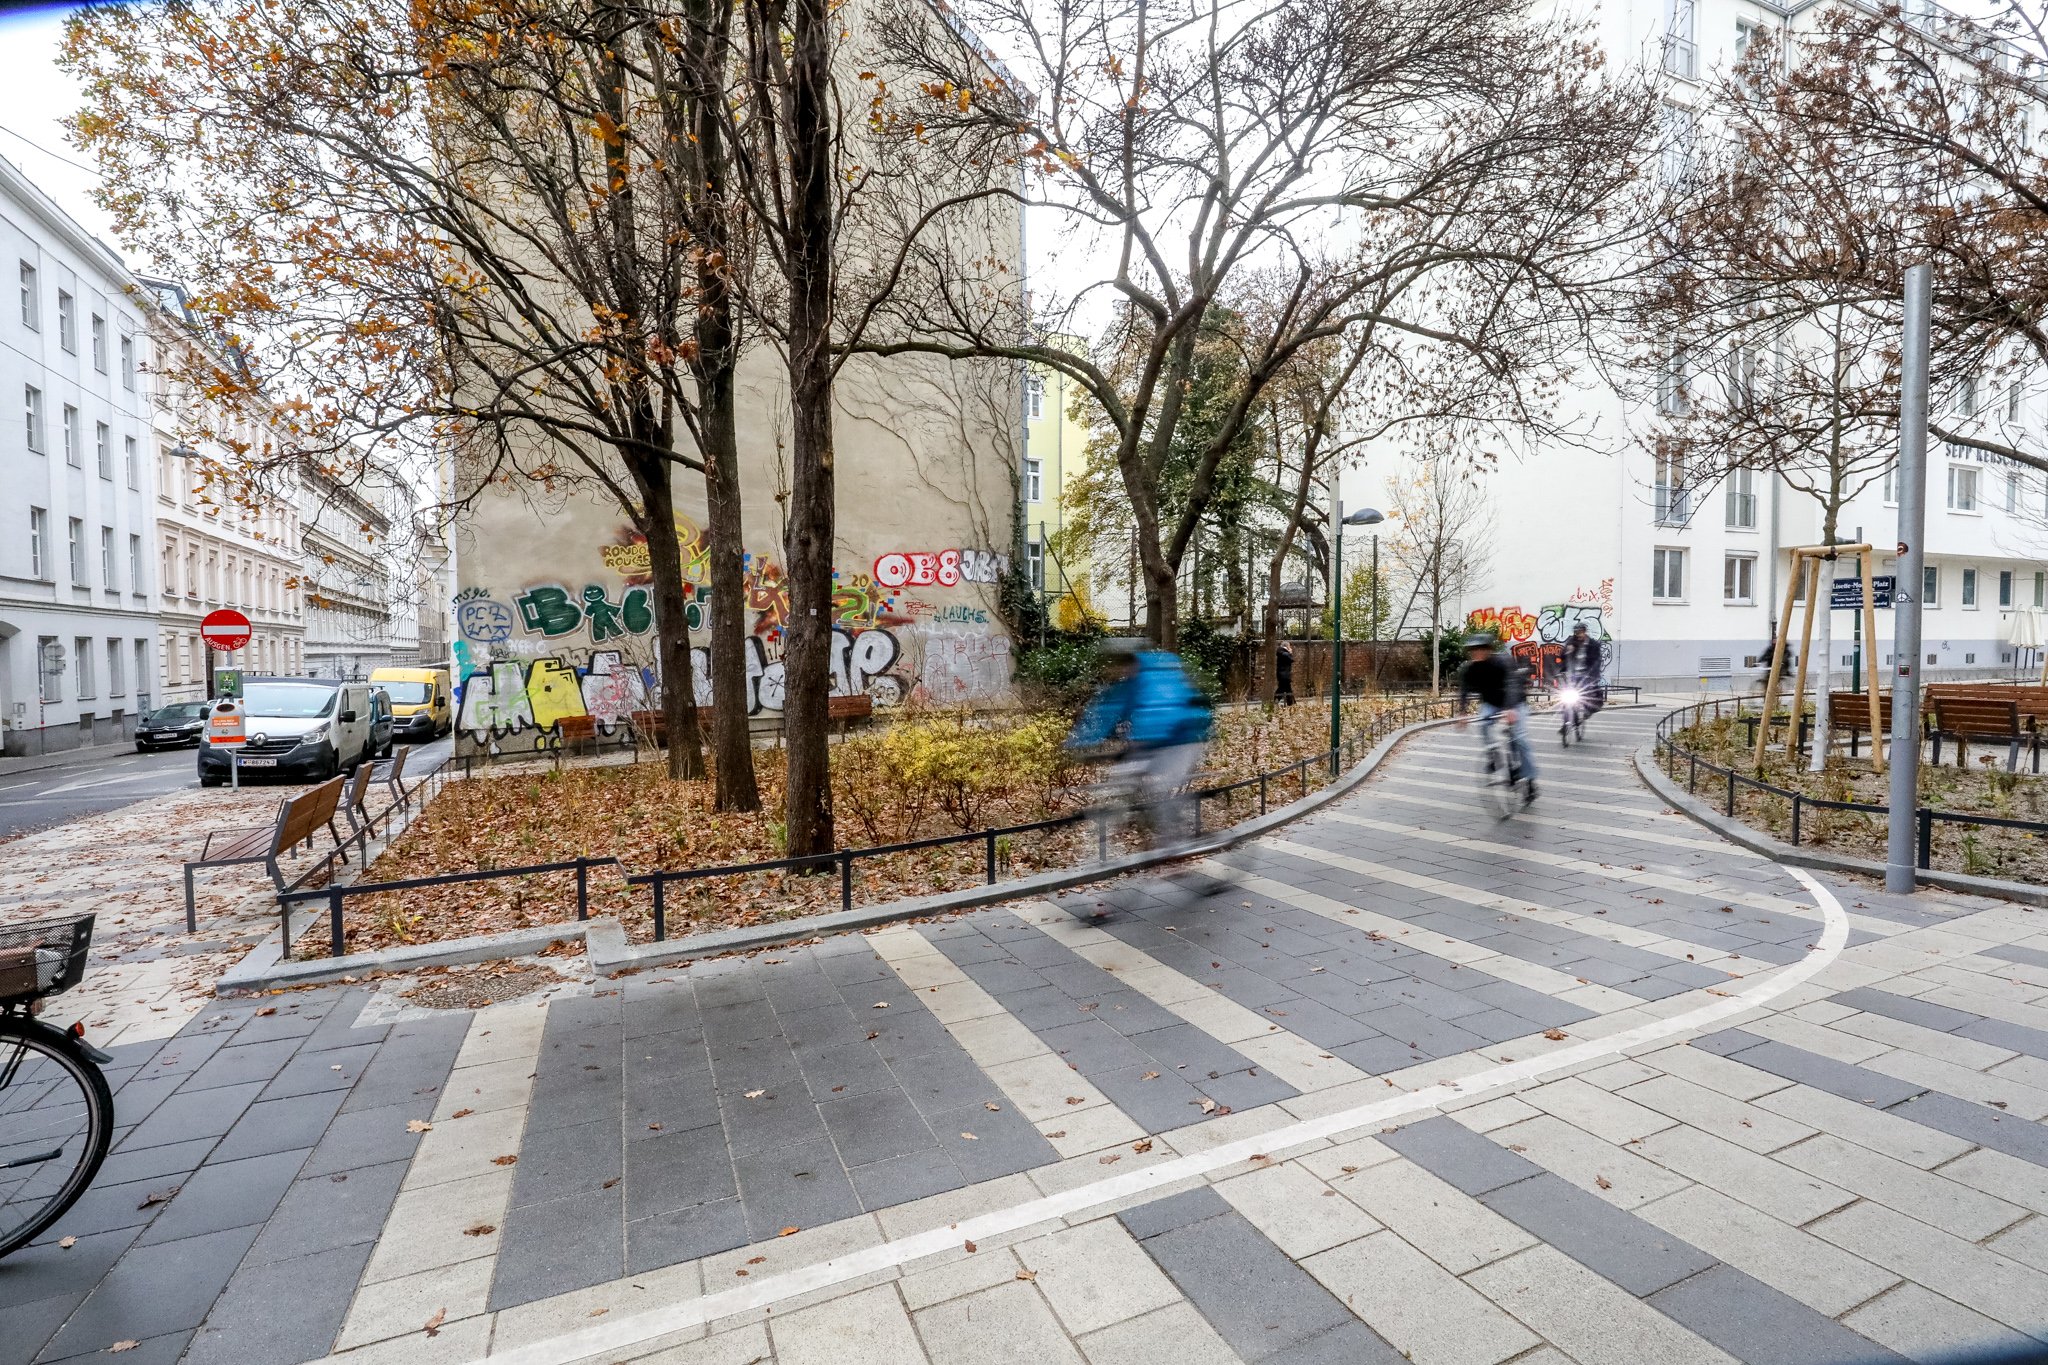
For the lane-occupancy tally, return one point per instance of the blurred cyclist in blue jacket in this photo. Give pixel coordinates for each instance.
(1149, 704)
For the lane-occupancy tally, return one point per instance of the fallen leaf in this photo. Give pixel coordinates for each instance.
(1258, 1156)
(1555, 1035)
(970, 1137)
(597, 1312)
(67, 1243)
(873, 1036)
(433, 1324)
(788, 1232)
(507, 1160)
(1349, 1170)
(755, 1094)
(1142, 1146)
(1027, 1275)
(992, 1106)
(418, 1126)
(613, 1181)
(1060, 1134)
(123, 1346)
(1997, 1104)
(1512, 1146)
(653, 1127)
(267, 1009)
(881, 1004)
(1149, 1076)
(971, 1247)
(1109, 1158)
(462, 1113)
(1076, 1099)
(1603, 1182)
(741, 1273)
(480, 1230)
(1208, 1106)
(755, 1260)
(158, 1197)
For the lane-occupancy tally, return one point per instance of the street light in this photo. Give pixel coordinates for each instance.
(1364, 516)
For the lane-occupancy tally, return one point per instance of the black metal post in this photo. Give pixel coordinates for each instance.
(1262, 793)
(334, 937)
(1795, 819)
(1926, 833)
(660, 908)
(582, 889)
(846, 878)
(991, 858)
(1731, 791)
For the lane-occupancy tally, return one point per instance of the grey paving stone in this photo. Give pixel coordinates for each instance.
(1131, 1014)
(1174, 1211)
(1258, 1300)
(1903, 1007)
(1825, 1073)
(368, 1137)
(800, 1185)
(1165, 1102)
(242, 1063)
(1636, 1255)
(671, 1010)
(1320, 1023)
(228, 1194)
(876, 1126)
(44, 1270)
(281, 1312)
(1093, 1046)
(1348, 1343)
(574, 1159)
(164, 1350)
(398, 1073)
(1999, 1033)
(153, 1291)
(947, 1078)
(1248, 1089)
(1004, 1142)
(309, 1072)
(2013, 953)
(282, 1125)
(898, 1180)
(109, 1208)
(725, 1025)
(136, 1098)
(563, 1244)
(826, 1023)
(1755, 1323)
(30, 1326)
(1981, 1124)
(154, 1163)
(685, 1234)
(675, 1170)
(1430, 1036)
(328, 1211)
(1376, 1056)
(782, 1116)
(850, 1069)
(1454, 1153)
(182, 1117)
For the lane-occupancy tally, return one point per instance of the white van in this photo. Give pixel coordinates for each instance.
(308, 729)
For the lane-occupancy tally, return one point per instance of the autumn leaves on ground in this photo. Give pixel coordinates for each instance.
(923, 777)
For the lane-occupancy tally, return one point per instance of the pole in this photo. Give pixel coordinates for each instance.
(1866, 622)
(1906, 604)
(1856, 627)
(1336, 621)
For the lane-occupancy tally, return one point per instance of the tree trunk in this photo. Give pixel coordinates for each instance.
(807, 638)
(1436, 627)
(671, 623)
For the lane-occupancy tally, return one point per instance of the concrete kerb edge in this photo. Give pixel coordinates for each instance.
(609, 954)
(1736, 832)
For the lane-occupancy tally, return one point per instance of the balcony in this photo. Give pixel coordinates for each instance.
(1681, 57)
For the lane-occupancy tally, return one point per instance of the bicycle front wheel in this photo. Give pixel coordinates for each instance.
(1499, 782)
(56, 1121)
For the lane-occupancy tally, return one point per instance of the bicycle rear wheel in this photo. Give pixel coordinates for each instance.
(1499, 783)
(56, 1121)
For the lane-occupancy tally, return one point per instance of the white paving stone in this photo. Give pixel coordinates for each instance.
(1096, 1275)
(1297, 1211)
(1591, 1319)
(1818, 1274)
(1424, 1311)
(1447, 1225)
(1923, 1326)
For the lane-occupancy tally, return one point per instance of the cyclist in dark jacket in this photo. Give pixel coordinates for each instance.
(1492, 675)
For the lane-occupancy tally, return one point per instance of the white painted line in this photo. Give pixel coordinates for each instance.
(1579, 826)
(623, 1334)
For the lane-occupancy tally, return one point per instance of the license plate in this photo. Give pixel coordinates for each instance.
(258, 762)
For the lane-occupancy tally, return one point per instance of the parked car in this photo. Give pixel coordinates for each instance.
(382, 723)
(167, 727)
(307, 728)
(421, 700)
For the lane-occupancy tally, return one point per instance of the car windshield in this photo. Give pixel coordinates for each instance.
(405, 693)
(288, 701)
(180, 713)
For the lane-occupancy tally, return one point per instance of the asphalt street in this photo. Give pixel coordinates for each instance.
(37, 800)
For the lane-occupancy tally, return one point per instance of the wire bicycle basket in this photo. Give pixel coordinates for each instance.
(43, 957)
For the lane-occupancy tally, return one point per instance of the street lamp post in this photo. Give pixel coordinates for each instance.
(1364, 516)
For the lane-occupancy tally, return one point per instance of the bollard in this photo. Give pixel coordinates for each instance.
(990, 840)
(660, 909)
(1926, 837)
(1731, 791)
(334, 936)
(582, 889)
(846, 875)
(1795, 819)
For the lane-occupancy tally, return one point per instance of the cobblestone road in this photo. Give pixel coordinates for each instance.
(1399, 1083)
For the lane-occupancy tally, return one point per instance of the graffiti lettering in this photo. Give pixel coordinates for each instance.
(1509, 623)
(946, 568)
(548, 611)
(483, 620)
(958, 615)
(1538, 641)
(962, 665)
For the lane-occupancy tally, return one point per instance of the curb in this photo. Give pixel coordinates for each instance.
(1736, 832)
(610, 954)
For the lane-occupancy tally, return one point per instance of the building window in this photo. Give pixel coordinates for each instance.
(107, 559)
(31, 299)
(103, 449)
(1667, 575)
(1969, 588)
(50, 668)
(1034, 553)
(132, 461)
(1034, 489)
(1962, 487)
(1742, 500)
(1674, 396)
(2012, 401)
(81, 649)
(32, 411)
(1034, 395)
(1966, 397)
(191, 573)
(135, 564)
(1891, 485)
(1930, 586)
(127, 362)
(1672, 503)
(99, 343)
(1738, 580)
(67, 322)
(2005, 587)
(2040, 589)
(72, 455)
(141, 671)
(38, 530)
(115, 686)
(77, 551)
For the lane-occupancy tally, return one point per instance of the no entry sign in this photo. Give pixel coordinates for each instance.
(226, 629)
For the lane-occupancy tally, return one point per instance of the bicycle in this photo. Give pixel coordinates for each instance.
(1501, 778)
(1575, 702)
(56, 1109)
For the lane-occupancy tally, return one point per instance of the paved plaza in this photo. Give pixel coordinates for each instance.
(1400, 1082)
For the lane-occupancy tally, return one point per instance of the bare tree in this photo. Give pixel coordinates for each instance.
(1449, 169)
(1443, 530)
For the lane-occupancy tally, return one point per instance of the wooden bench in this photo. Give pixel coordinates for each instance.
(1850, 711)
(1963, 719)
(580, 731)
(391, 772)
(299, 818)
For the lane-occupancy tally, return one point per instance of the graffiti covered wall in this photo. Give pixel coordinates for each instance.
(909, 624)
(1538, 640)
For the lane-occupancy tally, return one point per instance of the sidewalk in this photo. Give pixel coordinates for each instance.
(1398, 1082)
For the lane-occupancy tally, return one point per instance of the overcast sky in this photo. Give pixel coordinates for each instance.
(34, 99)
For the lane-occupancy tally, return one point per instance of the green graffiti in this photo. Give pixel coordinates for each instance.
(639, 611)
(604, 617)
(549, 611)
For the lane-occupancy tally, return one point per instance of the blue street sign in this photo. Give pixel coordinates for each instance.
(1848, 592)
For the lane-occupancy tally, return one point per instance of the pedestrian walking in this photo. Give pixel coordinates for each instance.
(1283, 674)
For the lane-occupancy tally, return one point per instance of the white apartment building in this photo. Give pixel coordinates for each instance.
(1689, 582)
(77, 484)
(211, 552)
(353, 624)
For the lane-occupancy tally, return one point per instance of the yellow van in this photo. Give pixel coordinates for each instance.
(420, 701)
